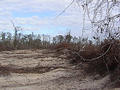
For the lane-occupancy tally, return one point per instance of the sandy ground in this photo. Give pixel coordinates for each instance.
(61, 74)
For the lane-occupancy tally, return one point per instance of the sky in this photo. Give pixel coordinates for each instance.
(40, 17)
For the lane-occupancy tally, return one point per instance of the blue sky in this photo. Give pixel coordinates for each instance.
(39, 16)
(42, 14)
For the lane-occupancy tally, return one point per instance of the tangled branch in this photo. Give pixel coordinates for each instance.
(93, 59)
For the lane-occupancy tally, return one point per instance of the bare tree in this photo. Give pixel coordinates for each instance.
(16, 29)
(103, 16)
(68, 38)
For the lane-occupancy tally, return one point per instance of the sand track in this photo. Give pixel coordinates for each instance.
(54, 72)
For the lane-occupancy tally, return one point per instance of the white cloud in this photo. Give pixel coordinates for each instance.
(33, 5)
(71, 19)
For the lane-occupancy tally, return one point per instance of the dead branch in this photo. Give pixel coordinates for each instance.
(106, 66)
(116, 60)
(65, 8)
(93, 59)
(115, 16)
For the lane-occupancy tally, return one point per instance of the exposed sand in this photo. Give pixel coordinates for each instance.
(61, 76)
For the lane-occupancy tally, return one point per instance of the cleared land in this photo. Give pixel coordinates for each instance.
(44, 70)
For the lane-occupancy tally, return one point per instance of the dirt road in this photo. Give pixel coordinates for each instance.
(54, 72)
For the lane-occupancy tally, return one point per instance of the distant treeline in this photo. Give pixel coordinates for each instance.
(9, 41)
